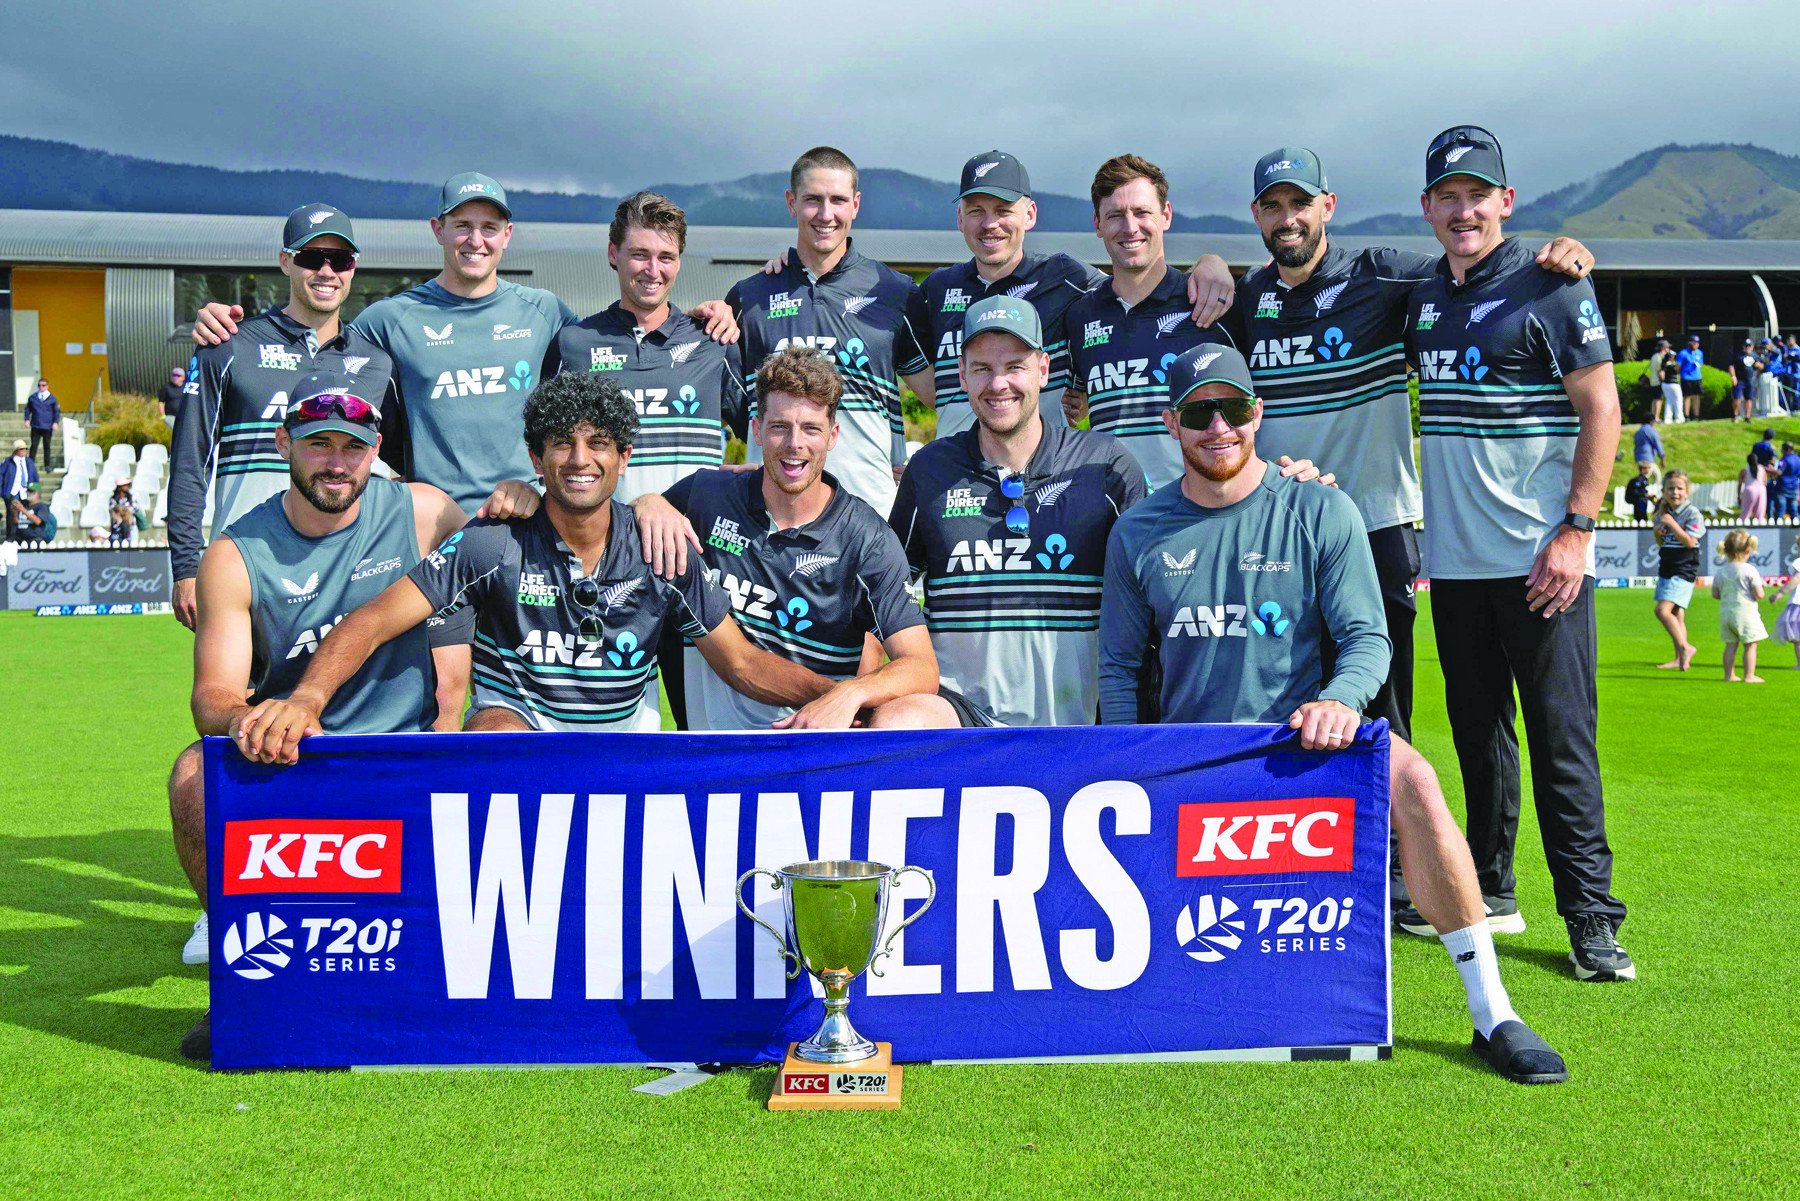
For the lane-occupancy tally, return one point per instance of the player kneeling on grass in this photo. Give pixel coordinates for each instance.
(1297, 562)
(568, 615)
(275, 581)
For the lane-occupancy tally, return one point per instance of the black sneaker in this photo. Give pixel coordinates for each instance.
(1595, 950)
(1412, 921)
(1516, 1052)
(197, 1043)
(1503, 916)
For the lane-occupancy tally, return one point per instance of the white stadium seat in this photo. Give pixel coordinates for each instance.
(121, 452)
(161, 515)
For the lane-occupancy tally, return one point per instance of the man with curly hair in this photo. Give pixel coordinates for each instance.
(568, 614)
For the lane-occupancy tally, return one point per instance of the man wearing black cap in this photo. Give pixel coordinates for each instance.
(994, 209)
(1518, 426)
(1232, 579)
(278, 578)
(238, 391)
(1323, 330)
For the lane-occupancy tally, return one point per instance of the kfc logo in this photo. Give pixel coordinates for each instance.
(311, 855)
(817, 1083)
(1255, 838)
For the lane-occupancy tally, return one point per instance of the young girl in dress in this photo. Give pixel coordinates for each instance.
(1787, 626)
(1739, 587)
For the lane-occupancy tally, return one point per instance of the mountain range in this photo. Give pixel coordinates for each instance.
(1706, 191)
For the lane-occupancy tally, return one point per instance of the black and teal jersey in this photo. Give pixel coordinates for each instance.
(857, 314)
(1237, 600)
(1015, 617)
(237, 395)
(1329, 361)
(301, 587)
(687, 389)
(1051, 284)
(808, 594)
(462, 370)
(1496, 429)
(1120, 355)
(529, 653)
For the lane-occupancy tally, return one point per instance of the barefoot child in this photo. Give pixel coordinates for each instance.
(1787, 626)
(1678, 531)
(1739, 587)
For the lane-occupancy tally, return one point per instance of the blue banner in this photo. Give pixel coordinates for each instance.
(568, 898)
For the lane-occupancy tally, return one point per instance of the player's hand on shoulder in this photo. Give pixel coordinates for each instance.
(717, 319)
(1566, 256)
(776, 265)
(215, 323)
(665, 535)
(1304, 471)
(1074, 404)
(512, 499)
(1325, 725)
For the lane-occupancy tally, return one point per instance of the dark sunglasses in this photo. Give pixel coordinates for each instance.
(350, 408)
(1197, 414)
(585, 592)
(1465, 135)
(1017, 519)
(311, 258)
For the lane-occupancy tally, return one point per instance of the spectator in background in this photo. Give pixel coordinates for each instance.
(1671, 389)
(17, 476)
(1787, 484)
(1764, 454)
(32, 520)
(42, 413)
(1647, 447)
(1743, 381)
(1753, 490)
(169, 398)
(1787, 626)
(1739, 587)
(121, 515)
(1690, 361)
(1637, 491)
(1653, 375)
(1678, 532)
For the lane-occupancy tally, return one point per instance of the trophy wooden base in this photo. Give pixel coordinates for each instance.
(872, 1083)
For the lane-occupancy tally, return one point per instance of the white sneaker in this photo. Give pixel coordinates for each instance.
(196, 950)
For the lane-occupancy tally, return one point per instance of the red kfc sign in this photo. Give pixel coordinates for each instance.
(311, 855)
(1255, 838)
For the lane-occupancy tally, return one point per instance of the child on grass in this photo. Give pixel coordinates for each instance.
(1739, 587)
(1787, 626)
(1678, 531)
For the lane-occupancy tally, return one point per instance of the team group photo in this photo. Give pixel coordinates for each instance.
(531, 677)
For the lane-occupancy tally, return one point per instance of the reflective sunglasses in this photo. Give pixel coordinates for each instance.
(1197, 414)
(311, 258)
(1017, 519)
(339, 404)
(1465, 135)
(585, 592)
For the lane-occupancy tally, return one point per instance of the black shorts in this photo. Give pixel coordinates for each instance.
(455, 629)
(968, 714)
(1690, 387)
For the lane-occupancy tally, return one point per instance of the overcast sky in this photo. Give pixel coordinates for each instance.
(607, 98)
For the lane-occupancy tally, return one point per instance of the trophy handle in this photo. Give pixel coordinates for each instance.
(930, 896)
(779, 938)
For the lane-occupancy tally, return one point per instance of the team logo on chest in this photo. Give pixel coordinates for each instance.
(1269, 305)
(782, 305)
(1328, 297)
(276, 357)
(955, 301)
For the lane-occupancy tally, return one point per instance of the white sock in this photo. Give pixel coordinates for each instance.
(1472, 951)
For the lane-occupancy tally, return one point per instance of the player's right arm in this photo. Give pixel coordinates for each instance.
(223, 642)
(215, 323)
(1125, 617)
(664, 530)
(192, 449)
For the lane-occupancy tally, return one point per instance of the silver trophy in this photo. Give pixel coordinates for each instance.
(835, 913)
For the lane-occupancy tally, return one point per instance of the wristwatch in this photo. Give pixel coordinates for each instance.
(1580, 521)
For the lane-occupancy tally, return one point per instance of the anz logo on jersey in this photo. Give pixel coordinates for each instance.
(976, 556)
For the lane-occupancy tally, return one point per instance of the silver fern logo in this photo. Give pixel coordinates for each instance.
(1168, 323)
(1021, 291)
(1329, 296)
(806, 566)
(853, 307)
(682, 353)
(618, 594)
(1483, 309)
(1047, 496)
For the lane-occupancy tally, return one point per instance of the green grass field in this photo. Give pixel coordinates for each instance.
(1709, 451)
(1685, 1083)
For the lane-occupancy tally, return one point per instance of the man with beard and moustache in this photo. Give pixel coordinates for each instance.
(238, 390)
(994, 210)
(1234, 539)
(568, 614)
(687, 388)
(467, 348)
(824, 294)
(282, 574)
(1124, 334)
(1322, 328)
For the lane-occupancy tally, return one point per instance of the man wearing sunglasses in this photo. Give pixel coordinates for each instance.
(1231, 580)
(568, 615)
(239, 390)
(1323, 329)
(1124, 334)
(994, 211)
(1518, 425)
(276, 579)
